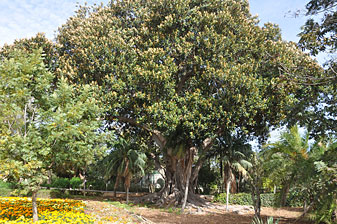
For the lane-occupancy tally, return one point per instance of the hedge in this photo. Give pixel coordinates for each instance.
(267, 200)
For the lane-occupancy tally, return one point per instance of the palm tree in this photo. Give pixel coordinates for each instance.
(232, 156)
(124, 162)
(285, 157)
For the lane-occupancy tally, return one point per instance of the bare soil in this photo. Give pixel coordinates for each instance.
(214, 214)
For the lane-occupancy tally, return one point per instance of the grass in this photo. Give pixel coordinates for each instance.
(4, 192)
(5, 185)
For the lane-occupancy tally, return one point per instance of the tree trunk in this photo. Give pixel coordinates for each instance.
(189, 170)
(233, 188)
(175, 175)
(34, 206)
(49, 181)
(256, 197)
(222, 175)
(284, 194)
(228, 185)
(127, 195)
(115, 186)
(176, 178)
(127, 183)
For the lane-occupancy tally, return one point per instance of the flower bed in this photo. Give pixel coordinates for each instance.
(19, 210)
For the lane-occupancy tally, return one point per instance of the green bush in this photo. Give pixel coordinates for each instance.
(6, 185)
(61, 183)
(75, 182)
(295, 198)
(267, 200)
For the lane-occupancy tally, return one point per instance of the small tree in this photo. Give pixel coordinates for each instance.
(125, 161)
(256, 173)
(42, 124)
(285, 158)
(232, 151)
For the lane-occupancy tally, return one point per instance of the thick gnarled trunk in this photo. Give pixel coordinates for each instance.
(180, 180)
(176, 174)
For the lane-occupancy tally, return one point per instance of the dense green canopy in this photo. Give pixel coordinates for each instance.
(185, 72)
(203, 66)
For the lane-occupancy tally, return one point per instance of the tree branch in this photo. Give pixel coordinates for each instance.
(156, 135)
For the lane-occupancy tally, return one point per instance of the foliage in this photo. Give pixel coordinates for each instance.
(39, 41)
(124, 161)
(5, 192)
(319, 36)
(310, 174)
(60, 182)
(185, 71)
(43, 124)
(322, 190)
(270, 220)
(75, 182)
(284, 158)
(6, 185)
(29, 99)
(207, 178)
(267, 200)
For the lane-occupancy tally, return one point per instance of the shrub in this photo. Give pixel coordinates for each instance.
(270, 220)
(267, 200)
(5, 185)
(75, 182)
(61, 183)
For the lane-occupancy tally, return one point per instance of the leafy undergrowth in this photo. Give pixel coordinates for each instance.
(19, 210)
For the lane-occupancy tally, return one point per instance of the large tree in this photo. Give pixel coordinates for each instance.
(184, 72)
(42, 125)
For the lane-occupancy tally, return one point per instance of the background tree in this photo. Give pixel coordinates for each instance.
(123, 162)
(232, 152)
(42, 124)
(184, 73)
(317, 182)
(256, 174)
(318, 35)
(285, 158)
(28, 45)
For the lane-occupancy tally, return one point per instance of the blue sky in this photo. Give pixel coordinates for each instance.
(24, 18)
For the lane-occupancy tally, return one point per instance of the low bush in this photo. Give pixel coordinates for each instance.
(5, 185)
(75, 182)
(61, 182)
(267, 200)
